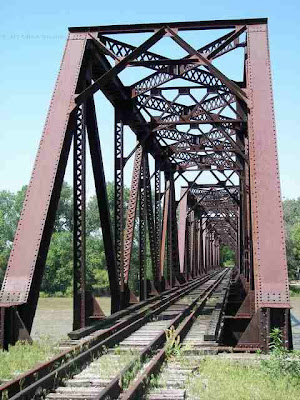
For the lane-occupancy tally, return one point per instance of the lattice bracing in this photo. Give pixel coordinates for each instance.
(203, 169)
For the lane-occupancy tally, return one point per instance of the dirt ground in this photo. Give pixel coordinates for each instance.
(53, 319)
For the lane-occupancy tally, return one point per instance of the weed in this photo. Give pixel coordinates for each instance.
(5, 395)
(24, 356)
(227, 379)
(173, 345)
(153, 381)
(131, 373)
(281, 362)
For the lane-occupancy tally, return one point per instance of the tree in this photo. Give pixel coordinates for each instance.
(64, 214)
(59, 265)
(291, 214)
(10, 210)
(226, 255)
(293, 250)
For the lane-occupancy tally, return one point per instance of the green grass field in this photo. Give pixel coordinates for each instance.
(24, 356)
(213, 379)
(52, 323)
(54, 317)
(227, 380)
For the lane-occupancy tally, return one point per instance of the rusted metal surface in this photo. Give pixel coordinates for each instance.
(79, 187)
(130, 219)
(102, 200)
(269, 264)
(194, 25)
(182, 326)
(193, 124)
(118, 320)
(36, 221)
(17, 283)
(50, 373)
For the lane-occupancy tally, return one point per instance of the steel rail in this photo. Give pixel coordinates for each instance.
(137, 390)
(48, 374)
(79, 333)
(29, 377)
(114, 388)
(111, 323)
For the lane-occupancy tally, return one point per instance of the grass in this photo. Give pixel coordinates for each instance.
(54, 317)
(24, 356)
(277, 377)
(52, 323)
(223, 380)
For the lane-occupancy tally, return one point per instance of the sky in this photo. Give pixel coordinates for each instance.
(32, 39)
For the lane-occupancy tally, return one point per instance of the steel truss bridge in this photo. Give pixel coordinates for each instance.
(189, 119)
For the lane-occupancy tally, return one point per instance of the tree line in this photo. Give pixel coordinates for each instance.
(58, 273)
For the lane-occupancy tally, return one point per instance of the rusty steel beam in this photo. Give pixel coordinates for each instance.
(119, 197)
(226, 132)
(181, 26)
(102, 199)
(21, 285)
(142, 230)
(182, 227)
(79, 245)
(270, 268)
(131, 211)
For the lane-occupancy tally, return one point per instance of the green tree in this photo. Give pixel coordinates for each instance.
(227, 255)
(10, 210)
(291, 215)
(293, 250)
(64, 214)
(59, 264)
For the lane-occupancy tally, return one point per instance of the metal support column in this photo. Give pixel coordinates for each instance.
(119, 200)
(79, 187)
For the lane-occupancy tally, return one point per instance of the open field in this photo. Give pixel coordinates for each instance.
(212, 379)
(223, 380)
(24, 356)
(53, 319)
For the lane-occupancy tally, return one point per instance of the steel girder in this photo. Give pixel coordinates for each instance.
(190, 118)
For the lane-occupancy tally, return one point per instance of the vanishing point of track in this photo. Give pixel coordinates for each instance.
(99, 359)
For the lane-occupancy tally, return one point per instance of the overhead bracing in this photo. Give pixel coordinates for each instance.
(196, 128)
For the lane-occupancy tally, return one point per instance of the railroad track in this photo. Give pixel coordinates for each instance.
(102, 361)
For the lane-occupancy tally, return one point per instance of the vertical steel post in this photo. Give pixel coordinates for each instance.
(187, 258)
(157, 220)
(102, 199)
(164, 232)
(170, 236)
(142, 231)
(174, 230)
(79, 186)
(192, 240)
(119, 199)
(150, 217)
(197, 254)
(270, 267)
(182, 227)
(204, 244)
(201, 251)
(131, 211)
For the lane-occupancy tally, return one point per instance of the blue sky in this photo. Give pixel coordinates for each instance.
(32, 38)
